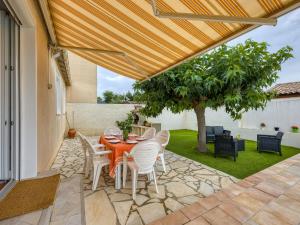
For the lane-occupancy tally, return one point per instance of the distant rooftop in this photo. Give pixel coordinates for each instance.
(287, 89)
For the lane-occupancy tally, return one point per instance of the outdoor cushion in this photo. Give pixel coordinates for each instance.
(209, 130)
(218, 130)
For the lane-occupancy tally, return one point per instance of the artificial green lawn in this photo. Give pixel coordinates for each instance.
(183, 142)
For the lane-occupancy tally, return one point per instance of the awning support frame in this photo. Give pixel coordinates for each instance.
(109, 52)
(212, 18)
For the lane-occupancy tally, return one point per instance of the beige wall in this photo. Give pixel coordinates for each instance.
(83, 87)
(92, 119)
(50, 126)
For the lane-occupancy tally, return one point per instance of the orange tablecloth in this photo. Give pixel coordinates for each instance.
(117, 153)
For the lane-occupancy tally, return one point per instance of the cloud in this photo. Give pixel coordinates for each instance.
(108, 80)
(286, 32)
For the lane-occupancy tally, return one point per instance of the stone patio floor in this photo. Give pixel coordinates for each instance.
(184, 183)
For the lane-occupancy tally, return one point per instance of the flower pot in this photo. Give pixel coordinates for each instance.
(71, 133)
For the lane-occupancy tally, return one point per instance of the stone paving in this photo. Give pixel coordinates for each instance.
(184, 183)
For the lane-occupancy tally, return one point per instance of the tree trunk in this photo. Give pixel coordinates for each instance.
(200, 114)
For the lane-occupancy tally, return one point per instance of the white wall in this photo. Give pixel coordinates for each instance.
(281, 113)
(169, 120)
(212, 117)
(92, 119)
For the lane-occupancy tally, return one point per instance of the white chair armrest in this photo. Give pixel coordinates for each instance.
(126, 154)
(164, 145)
(98, 145)
(103, 152)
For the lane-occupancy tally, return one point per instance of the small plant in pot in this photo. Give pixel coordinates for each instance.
(276, 128)
(71, 131)
(126, 125)
(262, 125)
(295, 129)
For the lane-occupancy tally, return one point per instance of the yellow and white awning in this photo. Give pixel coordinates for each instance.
(142, 38)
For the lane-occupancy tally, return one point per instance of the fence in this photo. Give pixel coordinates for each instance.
(92, 119)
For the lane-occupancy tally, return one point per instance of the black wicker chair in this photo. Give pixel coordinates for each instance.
(212, 131)
(226, 146)
(210, 134)
(269, 143)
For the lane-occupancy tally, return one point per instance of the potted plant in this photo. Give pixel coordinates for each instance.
(71, 131)
(276, 128)
(126, 125)
(295, 129)
(262, 125)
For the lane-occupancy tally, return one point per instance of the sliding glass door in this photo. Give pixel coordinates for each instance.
(9, 48)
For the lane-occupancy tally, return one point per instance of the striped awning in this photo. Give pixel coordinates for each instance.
(142, 38)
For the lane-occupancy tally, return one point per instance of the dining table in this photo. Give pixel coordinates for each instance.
(116, 157)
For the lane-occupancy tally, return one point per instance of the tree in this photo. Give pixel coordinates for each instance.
(129, 96)
(99, 100)
(108, 96)
(115, 98)
(234, 77)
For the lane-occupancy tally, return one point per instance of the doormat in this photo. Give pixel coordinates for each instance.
(29, 195)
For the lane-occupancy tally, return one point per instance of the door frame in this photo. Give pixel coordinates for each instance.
(11, 112)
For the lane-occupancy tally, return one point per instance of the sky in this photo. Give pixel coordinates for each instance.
(286, 32)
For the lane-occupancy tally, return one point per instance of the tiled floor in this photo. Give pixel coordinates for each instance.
(185, 183)
(269, 197)
(67, 208)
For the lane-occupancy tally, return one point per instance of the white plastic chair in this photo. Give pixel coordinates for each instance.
(143, 157)
(149, 133)
(87, 165)
(163, 138)
(112, 131)
(85, 152)
(98, 159)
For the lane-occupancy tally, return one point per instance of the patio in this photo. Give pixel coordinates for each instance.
(185, 182)
(51, 53)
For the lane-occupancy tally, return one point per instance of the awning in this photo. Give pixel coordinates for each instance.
(142, 38)
(62, 61)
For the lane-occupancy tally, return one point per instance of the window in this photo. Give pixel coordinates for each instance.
(58, 87)
(63, 100)
(60, 94)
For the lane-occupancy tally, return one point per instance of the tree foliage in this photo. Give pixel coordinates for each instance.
(99, 100)
(115, 98)
(108, 96)
(235, 77)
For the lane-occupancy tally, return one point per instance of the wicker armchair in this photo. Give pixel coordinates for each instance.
(226, 146)
(212, 131)
(269, 143)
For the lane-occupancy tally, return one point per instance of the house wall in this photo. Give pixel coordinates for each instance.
(42, 130)
(83, 80)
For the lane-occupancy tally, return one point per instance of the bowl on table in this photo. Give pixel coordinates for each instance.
(114, 141)
(109, 137)
(131, 141)
(141, 139)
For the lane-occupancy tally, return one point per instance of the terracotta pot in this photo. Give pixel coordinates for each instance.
(71, 133)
